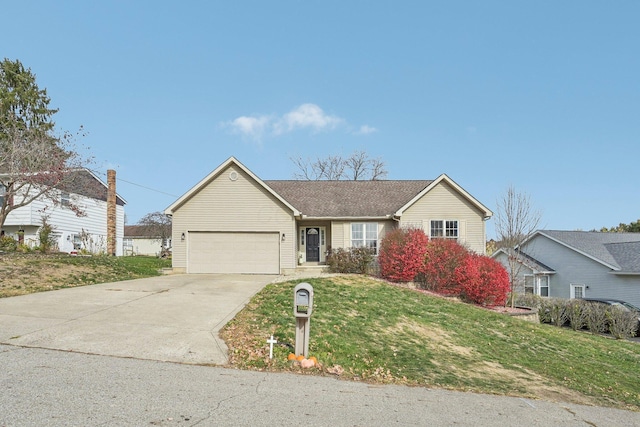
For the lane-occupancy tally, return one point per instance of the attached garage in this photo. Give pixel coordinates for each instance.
(229, 252)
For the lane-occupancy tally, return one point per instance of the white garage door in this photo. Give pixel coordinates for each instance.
(253, 253)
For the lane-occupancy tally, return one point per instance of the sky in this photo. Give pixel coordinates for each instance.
(542, 96)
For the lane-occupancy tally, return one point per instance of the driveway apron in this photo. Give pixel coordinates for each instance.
(173, 318)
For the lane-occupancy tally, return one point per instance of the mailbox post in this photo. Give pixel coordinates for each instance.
(302, 307)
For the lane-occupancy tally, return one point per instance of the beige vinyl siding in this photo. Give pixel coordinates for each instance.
(445, 203)
(240, 205)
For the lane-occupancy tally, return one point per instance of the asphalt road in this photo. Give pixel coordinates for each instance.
(41, 387)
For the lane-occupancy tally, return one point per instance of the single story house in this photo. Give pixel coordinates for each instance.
(139, 241)
(71, 232)
(234, 222)
(579, 264)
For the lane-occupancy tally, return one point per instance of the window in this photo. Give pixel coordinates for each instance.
(577, 291)
(529, 284)
(444, 229)
(365, 235)
(537, 285)
(322, 237)
(64, 199)
(543, 286)
(302, 237)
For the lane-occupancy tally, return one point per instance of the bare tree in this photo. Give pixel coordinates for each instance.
(358, 166)
(516, 221)
(35, 165)
(158, 226)
(331, 168)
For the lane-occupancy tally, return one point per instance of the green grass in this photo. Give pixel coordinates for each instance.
(28, 273)
(382, 333)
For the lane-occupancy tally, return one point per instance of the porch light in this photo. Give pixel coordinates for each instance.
(283, 237)
(182, 237)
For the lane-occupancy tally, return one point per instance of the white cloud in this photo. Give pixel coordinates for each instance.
(307, 116)
(365, 130)
(253, 127)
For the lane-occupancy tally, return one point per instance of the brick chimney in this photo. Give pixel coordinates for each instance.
(111, 212)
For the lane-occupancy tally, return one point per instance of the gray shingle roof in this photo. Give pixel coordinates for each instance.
(348, 198)
(621, 250)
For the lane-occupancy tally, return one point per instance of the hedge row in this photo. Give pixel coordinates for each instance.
(579, 314)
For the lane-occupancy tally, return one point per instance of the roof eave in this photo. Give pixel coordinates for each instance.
(345, 218)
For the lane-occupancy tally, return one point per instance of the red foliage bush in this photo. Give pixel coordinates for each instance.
(442, 257)
(401, 254)
(482, 280)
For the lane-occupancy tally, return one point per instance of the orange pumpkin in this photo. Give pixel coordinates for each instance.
(300, 358)
(291, 356)
(313, 358)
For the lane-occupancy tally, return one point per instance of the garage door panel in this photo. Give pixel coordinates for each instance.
(253, 253)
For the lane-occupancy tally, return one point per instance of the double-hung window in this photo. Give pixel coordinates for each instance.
(365, 234)
(537, 285)
(447, 229)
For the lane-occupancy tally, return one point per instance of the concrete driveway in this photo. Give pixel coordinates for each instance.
(172, 318)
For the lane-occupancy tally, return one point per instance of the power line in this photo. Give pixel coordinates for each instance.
(138, 185)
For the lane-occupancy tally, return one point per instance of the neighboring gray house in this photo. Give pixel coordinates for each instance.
(234, 222)
(580, 264)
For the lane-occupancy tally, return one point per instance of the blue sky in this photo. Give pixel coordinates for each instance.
(543, 96)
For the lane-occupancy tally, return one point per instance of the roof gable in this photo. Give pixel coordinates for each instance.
(213, 175)
(618, 251)
(526, 260)
(444, 178)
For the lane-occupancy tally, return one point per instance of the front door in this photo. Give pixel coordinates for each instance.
(313, 244)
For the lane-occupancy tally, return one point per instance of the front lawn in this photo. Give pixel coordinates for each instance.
(365, 329)
(27, 273)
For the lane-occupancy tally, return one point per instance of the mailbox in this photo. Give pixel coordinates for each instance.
(302, 307)
(303, 300)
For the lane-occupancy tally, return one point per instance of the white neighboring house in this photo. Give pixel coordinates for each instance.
(72, 232)
(137, 241)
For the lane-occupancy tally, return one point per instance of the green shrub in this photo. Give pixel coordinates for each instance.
(526, 300)
(596, 317)
(8, 244)
(622, 322)
(576, 313)
(46, 236)
(351, 260)
(552, 310)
